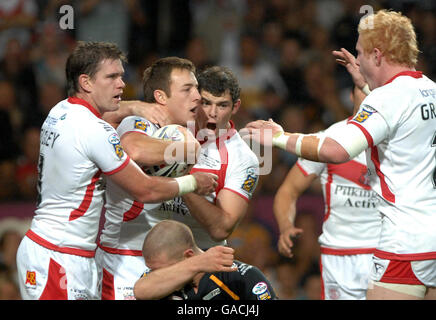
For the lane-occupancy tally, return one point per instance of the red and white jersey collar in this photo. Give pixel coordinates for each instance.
(86, 104)
(414, 74)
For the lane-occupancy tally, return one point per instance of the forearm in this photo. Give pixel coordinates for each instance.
(127, 108)
(284, 209)
(218, 223)
(313, 147)
(162, 282)
(150, 189)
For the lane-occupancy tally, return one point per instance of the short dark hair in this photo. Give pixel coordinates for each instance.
(217, 80)
(158, 75)
(85, 59)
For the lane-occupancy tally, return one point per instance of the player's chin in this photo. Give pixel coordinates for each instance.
(115, 105)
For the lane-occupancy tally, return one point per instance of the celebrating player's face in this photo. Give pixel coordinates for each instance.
(363, 60)
(107, 85)
(184, 98)
(218, 109)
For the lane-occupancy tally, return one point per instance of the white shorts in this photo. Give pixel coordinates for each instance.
(345, 277)
(118, 273)
(45, 274)
(420, 272)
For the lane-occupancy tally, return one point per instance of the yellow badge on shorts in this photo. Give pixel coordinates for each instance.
(31, 278)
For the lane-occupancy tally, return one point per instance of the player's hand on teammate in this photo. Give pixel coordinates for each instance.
(285, 243)
(346, 59)
(191, 145)
(216, 259)
(155, 113)
(261, 131)
(206, 182)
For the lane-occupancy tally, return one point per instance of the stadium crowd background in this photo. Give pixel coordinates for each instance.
(280, 50)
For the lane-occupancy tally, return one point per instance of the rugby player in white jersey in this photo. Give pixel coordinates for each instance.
(77, 149)
(351, 225)
(128, 221)
(396, 126)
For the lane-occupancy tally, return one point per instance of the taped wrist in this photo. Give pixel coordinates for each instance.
(308, 146)
(186, 184)
(366, 90)
(280, 140)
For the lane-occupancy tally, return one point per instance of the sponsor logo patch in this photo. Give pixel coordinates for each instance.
(363, 115)
(261, 291)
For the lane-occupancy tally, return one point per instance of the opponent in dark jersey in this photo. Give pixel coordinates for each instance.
(179, 270)
(247, 283)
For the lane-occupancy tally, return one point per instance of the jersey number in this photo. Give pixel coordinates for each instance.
(433, 144)
(38, 186)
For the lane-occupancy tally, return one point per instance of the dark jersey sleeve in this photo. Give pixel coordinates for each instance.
(254, 284)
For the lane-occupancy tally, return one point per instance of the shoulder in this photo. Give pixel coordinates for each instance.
(240, 151)
(137, 124)
(335, 126)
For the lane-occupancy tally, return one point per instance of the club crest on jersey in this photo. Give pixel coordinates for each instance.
(119, 150)
(31, 278)
(141, 125)
(250, 181)
(363, 115)
(261, 291)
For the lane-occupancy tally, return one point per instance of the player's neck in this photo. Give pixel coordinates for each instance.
(391, 70)
(88, 98)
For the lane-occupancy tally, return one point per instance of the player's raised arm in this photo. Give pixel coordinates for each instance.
(308, 146)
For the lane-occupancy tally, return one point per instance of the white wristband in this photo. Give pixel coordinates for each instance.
(280, 139)
(366, 90)
(186, 184)
(298, 145)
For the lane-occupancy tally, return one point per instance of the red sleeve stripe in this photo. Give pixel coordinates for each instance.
(301, 168)
(365, 132)
(122, 166)
(236, 192)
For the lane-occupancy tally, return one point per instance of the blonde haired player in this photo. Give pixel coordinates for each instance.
(396, 125)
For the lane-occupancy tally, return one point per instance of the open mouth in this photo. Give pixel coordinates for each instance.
(211, 126)
(193, 110)
(118, 97)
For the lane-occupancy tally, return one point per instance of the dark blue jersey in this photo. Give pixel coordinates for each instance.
(247, 283)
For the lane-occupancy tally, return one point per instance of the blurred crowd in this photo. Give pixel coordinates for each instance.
(280, 50)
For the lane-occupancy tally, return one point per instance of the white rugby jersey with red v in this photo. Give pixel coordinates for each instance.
(352, 221)
(399, 123)
(127, 221)
(77, 147)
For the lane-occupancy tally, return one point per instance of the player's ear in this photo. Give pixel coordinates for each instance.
(377, 56)
(188, 253)
(85, 82)
(236, 106)
(160, 96)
